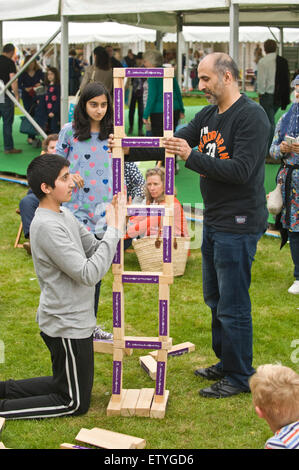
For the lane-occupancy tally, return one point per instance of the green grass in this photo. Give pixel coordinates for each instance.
(191, 422)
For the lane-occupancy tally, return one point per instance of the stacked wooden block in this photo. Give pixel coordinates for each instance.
(144, 402)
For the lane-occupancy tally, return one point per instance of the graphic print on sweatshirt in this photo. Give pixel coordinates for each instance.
(212, 143)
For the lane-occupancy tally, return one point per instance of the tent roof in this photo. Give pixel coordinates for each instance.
(154, 13)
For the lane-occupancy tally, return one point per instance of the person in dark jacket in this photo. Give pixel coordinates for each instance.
(231, 137)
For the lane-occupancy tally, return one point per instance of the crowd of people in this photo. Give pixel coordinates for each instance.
(73, 230)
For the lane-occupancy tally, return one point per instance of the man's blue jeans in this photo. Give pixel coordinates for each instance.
(226, 267)
(7, 111)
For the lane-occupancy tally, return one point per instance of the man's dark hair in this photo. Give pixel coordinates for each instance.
(8, 48)
(224, 63)
(270, 46)
(44, 169)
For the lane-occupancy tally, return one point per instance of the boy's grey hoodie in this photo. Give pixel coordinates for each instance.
(69, 261)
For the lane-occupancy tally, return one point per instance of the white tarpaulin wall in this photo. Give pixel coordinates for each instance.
(37, 32)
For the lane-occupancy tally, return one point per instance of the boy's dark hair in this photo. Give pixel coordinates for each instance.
(44, 169)
(81, 118)
(8, 48)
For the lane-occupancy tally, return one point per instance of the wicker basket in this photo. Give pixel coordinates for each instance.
(149, 252)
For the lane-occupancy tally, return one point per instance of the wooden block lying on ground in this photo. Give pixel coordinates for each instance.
(65, 445)
(177, 349)
(149, 364)
(144, 402)
(139, 403)
(2, 421)
(109, 439)
(158, 408)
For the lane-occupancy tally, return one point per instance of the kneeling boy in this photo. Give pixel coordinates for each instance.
(69, 261)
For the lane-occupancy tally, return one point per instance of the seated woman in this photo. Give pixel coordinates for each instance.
(139, 226)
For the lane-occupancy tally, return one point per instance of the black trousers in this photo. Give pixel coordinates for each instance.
(66, 392)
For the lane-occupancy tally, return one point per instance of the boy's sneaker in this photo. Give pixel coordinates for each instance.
(294, 289)
(98, 333)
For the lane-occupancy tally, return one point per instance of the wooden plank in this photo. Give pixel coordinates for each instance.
(149, 364)
(144, 402)
(158, 409)
(103, 346)
(66, 445)
(130, 402)
(2, 422)
(114, 406)
(177, 350)
(142, 342)
(109, 439)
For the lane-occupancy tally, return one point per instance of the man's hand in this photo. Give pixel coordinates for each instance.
(177, 146)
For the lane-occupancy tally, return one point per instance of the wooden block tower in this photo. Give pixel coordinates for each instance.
(144, 402)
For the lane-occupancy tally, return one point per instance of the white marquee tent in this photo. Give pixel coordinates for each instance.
(166, 16)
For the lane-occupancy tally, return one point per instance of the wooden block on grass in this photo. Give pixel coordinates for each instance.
(158, 408)
(144, 402)
(130, 402)
(109, 440)
(115, 404)
(65, 445)
(2, 421)
(149, 364)
(177, 350)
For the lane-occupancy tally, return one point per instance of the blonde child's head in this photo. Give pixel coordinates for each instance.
(275, 393)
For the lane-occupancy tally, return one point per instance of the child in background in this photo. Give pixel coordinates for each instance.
(275, 393)
(52, 100)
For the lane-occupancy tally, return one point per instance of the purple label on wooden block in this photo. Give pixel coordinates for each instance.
(169, 175)
(145, 211)
(136, 344)
(179, 352)
(117, 369)
(163, 317)
(144, 72)
(160, 378)
(140, 278)
(167, 244)
(168, 115)
(116, 259)
(118, 107)
(116, 309)
(116, 175)
(142, 142)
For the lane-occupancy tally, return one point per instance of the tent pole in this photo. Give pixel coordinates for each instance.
(234, 31)
(1, 35)
(64, 68)
(179, 48)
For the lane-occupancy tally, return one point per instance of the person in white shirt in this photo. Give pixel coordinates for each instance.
(273, 85)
